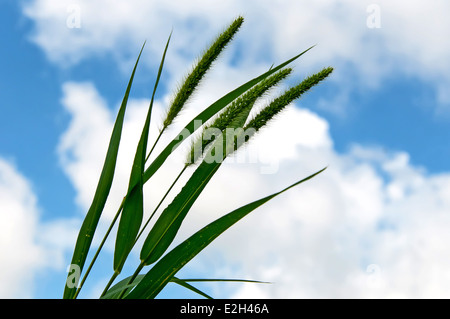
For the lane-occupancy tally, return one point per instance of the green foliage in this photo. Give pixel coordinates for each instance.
(90, 223)
(231, 127)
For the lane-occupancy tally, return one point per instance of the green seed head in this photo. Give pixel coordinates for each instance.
(235, 115)
(278, 104)
(203, 65)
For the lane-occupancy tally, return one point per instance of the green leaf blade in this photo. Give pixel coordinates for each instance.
(92, 218)
(133, 209)
(168, 224)
(129, 225)
(166, 268)
(186, 285)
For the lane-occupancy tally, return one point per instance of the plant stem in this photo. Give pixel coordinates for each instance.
(136, 272)
(99, 248)
(154, 144)
(113, 277)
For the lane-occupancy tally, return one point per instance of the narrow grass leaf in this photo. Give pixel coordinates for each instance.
(166, 268)
(185, 283)
(227, 280)
(133, 208)
(166, 227)
(129, 225)
(90, 222)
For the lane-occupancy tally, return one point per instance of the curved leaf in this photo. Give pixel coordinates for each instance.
(166, 268)
(133, 208)
(166, 227)
(186, 285)
(90, 222)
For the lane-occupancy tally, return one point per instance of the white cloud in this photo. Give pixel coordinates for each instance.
(86, 136)
(411, 40)
(28, 246)
(323, 239)
(83, 145)
(371, 225)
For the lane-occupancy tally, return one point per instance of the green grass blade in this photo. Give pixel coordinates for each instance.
(186, 285)
(161, 65)
(226, 280)
(208, 113)
(133, 208)
(90, 222)
(163, 232)
(129, 225)
(166, 268)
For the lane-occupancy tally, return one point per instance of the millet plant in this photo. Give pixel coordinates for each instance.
(226, 127)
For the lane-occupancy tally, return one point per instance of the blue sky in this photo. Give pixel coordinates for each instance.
(380, 123)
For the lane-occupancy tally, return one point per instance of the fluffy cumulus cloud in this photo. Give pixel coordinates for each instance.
(369, 226)
(370, 40)
(29, 247)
